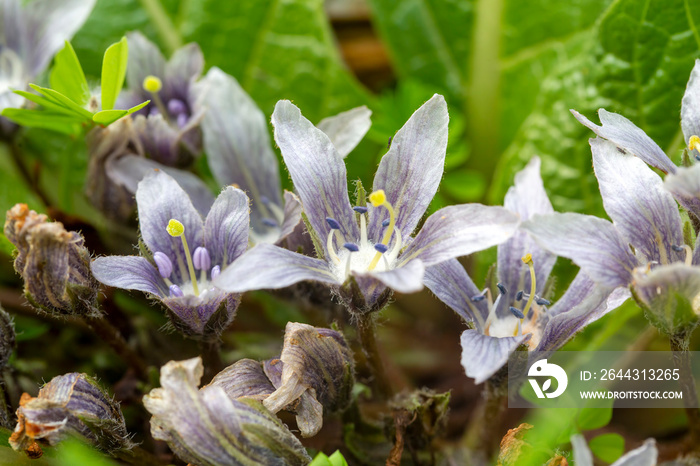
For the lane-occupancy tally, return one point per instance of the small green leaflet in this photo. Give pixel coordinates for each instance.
(336, 459)
(67, 76)
(113, 72)
(607, 447)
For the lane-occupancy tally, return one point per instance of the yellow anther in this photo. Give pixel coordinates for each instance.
(175, 228)
(377, 198)
(694, 143)
(152, 84)
(527, 258)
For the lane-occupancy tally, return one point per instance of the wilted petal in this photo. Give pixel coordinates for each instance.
(207, 428)
(626, 135)
(670, 294)
(226, 227)
(160, 199)
(129, 170)
(591, 242)
(237, 141)
(318, 361)
(273, 268)
(347, 129)
(583, 303)
(202, 317)
(48, 25)
(71, 404)
(144, 60)
(407, 278)
(244, 378)
(483, 355)
(460, 230)
(642, 210)
(411, 171)
(452, 285)
(129, 273)
(183, 68)
(526, 197)
(318, 172)
(690, 107)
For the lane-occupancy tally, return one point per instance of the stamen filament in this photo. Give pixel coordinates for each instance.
(527, 258)
(331, 249)
(688, 252)
(378, 198)
(176, 228)
(153, 85)
(363, 230)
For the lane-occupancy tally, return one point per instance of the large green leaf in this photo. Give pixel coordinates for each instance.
(277, 50)
(516, 68)
(67, 76)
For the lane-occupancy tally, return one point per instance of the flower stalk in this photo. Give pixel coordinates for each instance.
(366, 332)
(681, 360)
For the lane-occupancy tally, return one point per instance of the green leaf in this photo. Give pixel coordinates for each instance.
(337, 459)
(321, 460)
(44, 102)
(113, 72)
(284, 50)
(607, 447)
(62, 101)
(67, 76)
(66, 124)
(594, 418)
(107, 117)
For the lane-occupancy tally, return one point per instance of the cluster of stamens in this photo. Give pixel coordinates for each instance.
(365, 255)
(200, 260)
(174, 109)
(493, 325)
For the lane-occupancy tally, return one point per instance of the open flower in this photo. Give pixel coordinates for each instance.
(208, 428)
(185, 254)
(70, 404)
(31, 33)
(369, 248)
(168, 127)
(239, 152)
(643, 247)
(519, 314)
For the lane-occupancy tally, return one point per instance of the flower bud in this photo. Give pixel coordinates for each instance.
(208, 428)
(244, 378)
(53, 262)
(71, 404)
(317, 372)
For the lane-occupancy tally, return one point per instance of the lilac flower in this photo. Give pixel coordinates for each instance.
(208, 428)
(30, 35)
(168, 127)
(186, 254)
(631, 139)
(643, 247)
(519, 314)
(355, 246)
(646, 455)
(239, 152)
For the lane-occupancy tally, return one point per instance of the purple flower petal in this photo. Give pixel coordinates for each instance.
(183, 68)
(451, 284)
(646, 455)
(411, 171)
(460, 230)
(48, 24)
(662, 289)
(483, 355)
(160, 199)
(129, 273)
(685, 187)
(405, 279)
(347, 129)
(270, 267)
(626, 135)
(226, 227)
(690, 107)
(584, 302)
(641, 209)
(204, 316)
(292, 216)
(128, 170)
(237, 141)
(318, 172)
(591, 242)
(526, 197)
(145, 59)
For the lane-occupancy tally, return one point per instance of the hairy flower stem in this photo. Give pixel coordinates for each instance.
(165, 27)
(211, 358)
(681, 360)
(484, 433)
(139, 456)
(366, 331)
(113, 337)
